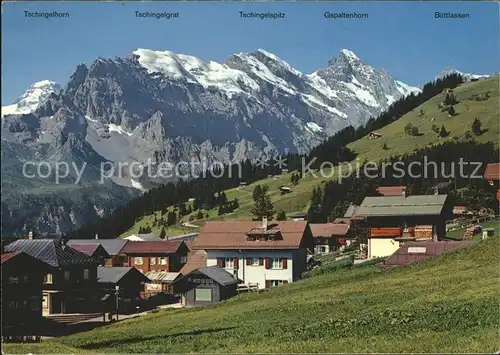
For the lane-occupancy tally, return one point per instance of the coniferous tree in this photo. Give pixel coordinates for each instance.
(199, 215)
(182, 209)
(163, 234)
(281, 216)
(196, 204)
(443, 132)
(476, 126)
(263, 206)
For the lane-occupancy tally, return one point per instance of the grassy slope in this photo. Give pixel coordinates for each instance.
(447, 304)
(393, 135)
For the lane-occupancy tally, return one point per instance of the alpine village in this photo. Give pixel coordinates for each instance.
(296, 261)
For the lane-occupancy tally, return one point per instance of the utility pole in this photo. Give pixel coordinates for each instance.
(117, 296)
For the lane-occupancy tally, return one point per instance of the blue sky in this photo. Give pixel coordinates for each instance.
(403, 38)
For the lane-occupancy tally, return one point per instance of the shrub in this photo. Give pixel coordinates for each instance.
(476, 126)
(450, 98)
(443, 132)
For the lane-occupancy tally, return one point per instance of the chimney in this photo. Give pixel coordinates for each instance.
(264, 222)
(30, 235)
(96, 236)
(436, 190)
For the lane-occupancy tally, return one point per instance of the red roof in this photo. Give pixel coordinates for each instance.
(328, 229)
(492, 172)
(195, 260)
(391, 190)
(8, 256)
(152, 247)
(233, 235)
(417, 251)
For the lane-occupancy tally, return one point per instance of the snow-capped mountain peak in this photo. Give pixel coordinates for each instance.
(32, 98)
(466, 76)
(349, 54)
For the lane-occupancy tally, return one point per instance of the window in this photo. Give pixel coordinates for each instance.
(86, 274)
(226, 263)
(254, 262)
(26, 278)
(138, 260)
(47, 279)
(152, 260)
(163, 261)
(203, 294)
(183, 259)
(276, 282)
(14, 279)
(275, 263)
(417, 250)
(12, 304)
(67, 275)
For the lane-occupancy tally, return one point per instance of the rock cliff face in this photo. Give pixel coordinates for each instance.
(161, 106)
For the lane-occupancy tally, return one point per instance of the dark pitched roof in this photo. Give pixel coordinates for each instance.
(218, 274)
(328, 229)
(112, 246)
(51, 251)
(116, 273)
(233, 235)
(426, 205)
(153, 247)
(492, 171)
(417, 251)
(92, 250)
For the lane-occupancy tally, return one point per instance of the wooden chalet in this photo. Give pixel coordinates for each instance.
(206, 286)
(170, 255)
(285, 190)
(125, 282)
(113, 247)
(95, 251)
(70, 286)
(492, 174)
(22, 283)
(395, 219)
(329, 237)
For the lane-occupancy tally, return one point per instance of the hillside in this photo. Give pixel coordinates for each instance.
(447, 304)
(397, 143)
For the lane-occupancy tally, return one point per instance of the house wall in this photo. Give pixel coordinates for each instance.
(147, 265)
(174, 262)
(73, 295)
(296, 262)
(381, 247)
(21, 301)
